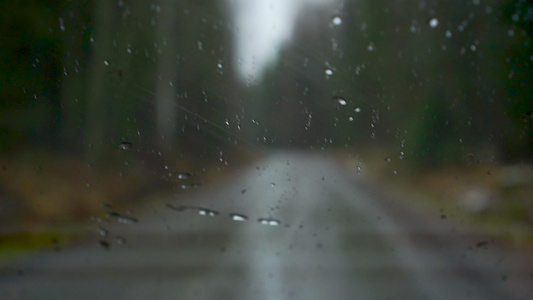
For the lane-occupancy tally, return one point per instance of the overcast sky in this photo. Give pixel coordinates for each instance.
(262, 27)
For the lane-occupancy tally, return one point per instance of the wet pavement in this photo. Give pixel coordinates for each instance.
(291, 226)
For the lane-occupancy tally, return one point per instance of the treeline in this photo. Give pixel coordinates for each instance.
(82, 77)
(431, 82)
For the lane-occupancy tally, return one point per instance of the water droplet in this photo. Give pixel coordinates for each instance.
(61, 24)
(125, 146)
(120, 240)
(387, 159)
(107, 62)
(448, 34)
(238, 217)
(337, 20)
(201, 211)
(104, 244)
(482, 244)
(96, 219)
(177, 208)
(190, 186)
(328, 71)
(121, 218)
(340, 100)
(371, 47)
(207, 212)
(357, 110)
(269, 222)
(181, 176)
(434, 22)
(102, 231)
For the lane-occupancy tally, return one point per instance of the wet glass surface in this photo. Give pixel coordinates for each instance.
(238, 149)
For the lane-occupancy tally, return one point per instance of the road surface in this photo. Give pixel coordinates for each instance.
(293, 225)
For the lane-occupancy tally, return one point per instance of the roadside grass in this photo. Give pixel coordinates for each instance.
(49, 188)
(43, 190)
(495, 197)
(40, 191)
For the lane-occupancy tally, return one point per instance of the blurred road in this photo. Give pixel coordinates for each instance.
(336, 239)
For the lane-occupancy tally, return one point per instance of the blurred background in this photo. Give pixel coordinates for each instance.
(110, 101)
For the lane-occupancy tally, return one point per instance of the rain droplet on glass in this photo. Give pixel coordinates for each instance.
(433, 22)
(207, 212)
(238, 217)
(61, 24)
(183, 176)
(328, 71)
(190, 186)
(125, 146)
(337, 20)
(121, 218)
(120, 240)
(96, 219)
(104, 244)
(102, 231)
(340, 100)
(269, 222)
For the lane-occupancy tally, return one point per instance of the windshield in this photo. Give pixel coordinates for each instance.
(238, 149)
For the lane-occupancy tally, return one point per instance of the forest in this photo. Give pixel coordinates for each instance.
(105, 100)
